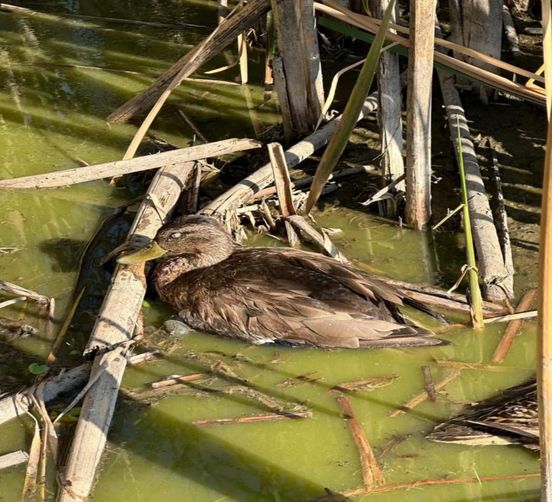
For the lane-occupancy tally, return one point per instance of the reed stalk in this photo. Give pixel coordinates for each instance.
(350, 115)
(544, 334)
(475, 292)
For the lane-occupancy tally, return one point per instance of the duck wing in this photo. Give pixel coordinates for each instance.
(266, 295)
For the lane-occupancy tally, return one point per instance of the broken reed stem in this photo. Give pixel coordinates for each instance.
(13, 458)
(435, 482)
(475, 292)
(372, 474)
(253, 419)
(514, 327)
(178, 379)
(420, 398)
(282, 180)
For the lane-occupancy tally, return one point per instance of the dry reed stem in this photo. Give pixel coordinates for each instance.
(471, 366)
(514, 327)
(435, 482)
(178, 379)
(372, 474)
(420, 398)
(253, 419)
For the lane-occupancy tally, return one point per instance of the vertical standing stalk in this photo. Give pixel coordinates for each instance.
(475, 291)
(544, 334)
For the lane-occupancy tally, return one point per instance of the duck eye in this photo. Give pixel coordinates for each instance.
(176, 235)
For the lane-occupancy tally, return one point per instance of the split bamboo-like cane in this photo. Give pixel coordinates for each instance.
(115, 325)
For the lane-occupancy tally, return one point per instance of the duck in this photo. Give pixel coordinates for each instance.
(511, 418)
(275, 295)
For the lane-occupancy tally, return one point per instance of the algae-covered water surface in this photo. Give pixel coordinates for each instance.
(61, 76)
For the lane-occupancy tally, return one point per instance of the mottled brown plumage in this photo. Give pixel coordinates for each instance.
(277, 294)
(510, 418)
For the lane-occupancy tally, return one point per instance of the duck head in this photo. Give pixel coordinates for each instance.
(197, 241)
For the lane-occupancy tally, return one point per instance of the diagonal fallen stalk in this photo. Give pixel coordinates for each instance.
(114, 327)
(68, 177)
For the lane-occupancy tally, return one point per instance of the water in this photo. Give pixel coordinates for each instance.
(53, 115)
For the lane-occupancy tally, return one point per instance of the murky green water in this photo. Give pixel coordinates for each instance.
(50, 116)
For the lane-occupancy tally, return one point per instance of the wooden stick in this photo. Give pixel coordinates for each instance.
(254, 419)
(13, 458)
(372, 474)
(223, 36)
(115, 325)
(119, 167)
(261, 178)
(178, 379)
(418, 113)
(436, 482)
(420, 398)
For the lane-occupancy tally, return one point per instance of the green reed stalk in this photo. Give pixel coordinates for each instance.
(475, 291)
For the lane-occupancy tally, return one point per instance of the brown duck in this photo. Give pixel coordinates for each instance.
(264, 295)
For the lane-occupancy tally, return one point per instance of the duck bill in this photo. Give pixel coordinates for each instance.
(148, 253)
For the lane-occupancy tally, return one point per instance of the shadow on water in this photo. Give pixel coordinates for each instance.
(210, 461)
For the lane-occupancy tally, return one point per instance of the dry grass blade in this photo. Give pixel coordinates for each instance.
(354, 104)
